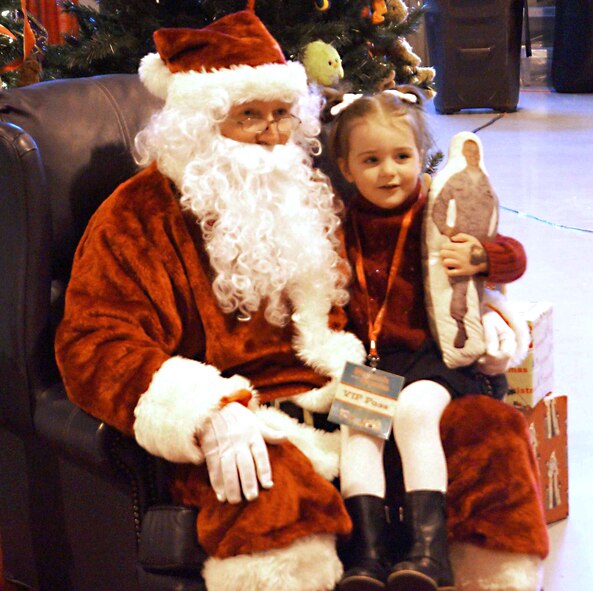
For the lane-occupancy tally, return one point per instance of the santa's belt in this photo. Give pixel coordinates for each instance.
(313, 419)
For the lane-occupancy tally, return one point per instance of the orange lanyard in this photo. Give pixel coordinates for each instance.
(376, 325)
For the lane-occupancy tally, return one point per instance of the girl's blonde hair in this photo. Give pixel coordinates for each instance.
(388, 105)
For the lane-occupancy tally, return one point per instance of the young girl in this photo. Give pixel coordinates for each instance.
(379, 144)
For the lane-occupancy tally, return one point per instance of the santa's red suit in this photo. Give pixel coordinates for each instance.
(143, 332)
(141, 317)
(145, 347)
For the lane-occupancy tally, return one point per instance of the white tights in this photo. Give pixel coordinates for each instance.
(416, 430)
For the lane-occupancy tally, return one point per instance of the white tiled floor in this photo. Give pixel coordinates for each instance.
(540, 162)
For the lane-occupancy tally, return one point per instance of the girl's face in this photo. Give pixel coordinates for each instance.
(383, 161)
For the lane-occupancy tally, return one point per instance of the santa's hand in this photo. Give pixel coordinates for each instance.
(501, 344)
(233, 442)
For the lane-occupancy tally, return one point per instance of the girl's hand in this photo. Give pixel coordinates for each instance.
(464, 256)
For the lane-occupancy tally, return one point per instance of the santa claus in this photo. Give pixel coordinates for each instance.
(202, 290)
(205, 300)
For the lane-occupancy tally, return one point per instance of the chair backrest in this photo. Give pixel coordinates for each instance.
(65, 145)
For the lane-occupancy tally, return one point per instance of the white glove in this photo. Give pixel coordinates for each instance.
(501, 344)
(233, 442)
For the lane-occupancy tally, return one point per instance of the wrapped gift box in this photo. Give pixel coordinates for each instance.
(534, 378)
(549, 437)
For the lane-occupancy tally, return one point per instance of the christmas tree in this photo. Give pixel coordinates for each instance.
(369, 35)
(15, 70)
(10, 32)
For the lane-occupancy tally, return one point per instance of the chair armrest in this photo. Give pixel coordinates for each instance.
(25, 245)
(96, 446)
(73, 432)
(169, 556)
(168, 540)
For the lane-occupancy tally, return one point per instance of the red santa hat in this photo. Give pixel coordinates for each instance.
(235, 54)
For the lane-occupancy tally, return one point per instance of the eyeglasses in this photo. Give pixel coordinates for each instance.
(284, 124)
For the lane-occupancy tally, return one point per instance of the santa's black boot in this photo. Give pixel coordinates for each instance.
(427, 566)
(364, 553)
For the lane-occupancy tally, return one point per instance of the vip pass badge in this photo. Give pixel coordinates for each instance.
(365, 399)
(366, 396)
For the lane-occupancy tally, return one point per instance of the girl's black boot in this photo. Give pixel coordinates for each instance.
(427, 566)
(364, 552)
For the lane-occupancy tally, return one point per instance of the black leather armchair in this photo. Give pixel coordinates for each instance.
(82, 508)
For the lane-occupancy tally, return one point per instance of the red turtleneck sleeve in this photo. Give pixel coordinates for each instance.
(507, 260)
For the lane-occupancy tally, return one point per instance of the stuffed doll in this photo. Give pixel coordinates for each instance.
(462, 201)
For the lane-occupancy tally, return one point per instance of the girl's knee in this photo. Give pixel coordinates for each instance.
(421, 401)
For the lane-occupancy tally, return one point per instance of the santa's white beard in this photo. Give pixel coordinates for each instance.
(268, 224)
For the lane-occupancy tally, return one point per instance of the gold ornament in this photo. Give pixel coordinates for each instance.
(322, 5)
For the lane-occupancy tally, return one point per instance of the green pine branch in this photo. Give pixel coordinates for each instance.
(115, 36)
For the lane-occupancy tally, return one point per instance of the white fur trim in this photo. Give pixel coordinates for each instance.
(242, 83)
(498, 301)
(322, 448)
(318, 399)
(327, 350)
(183, 393)
(316, 344)
(308, 564)
(480, 569)
(155, 75)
